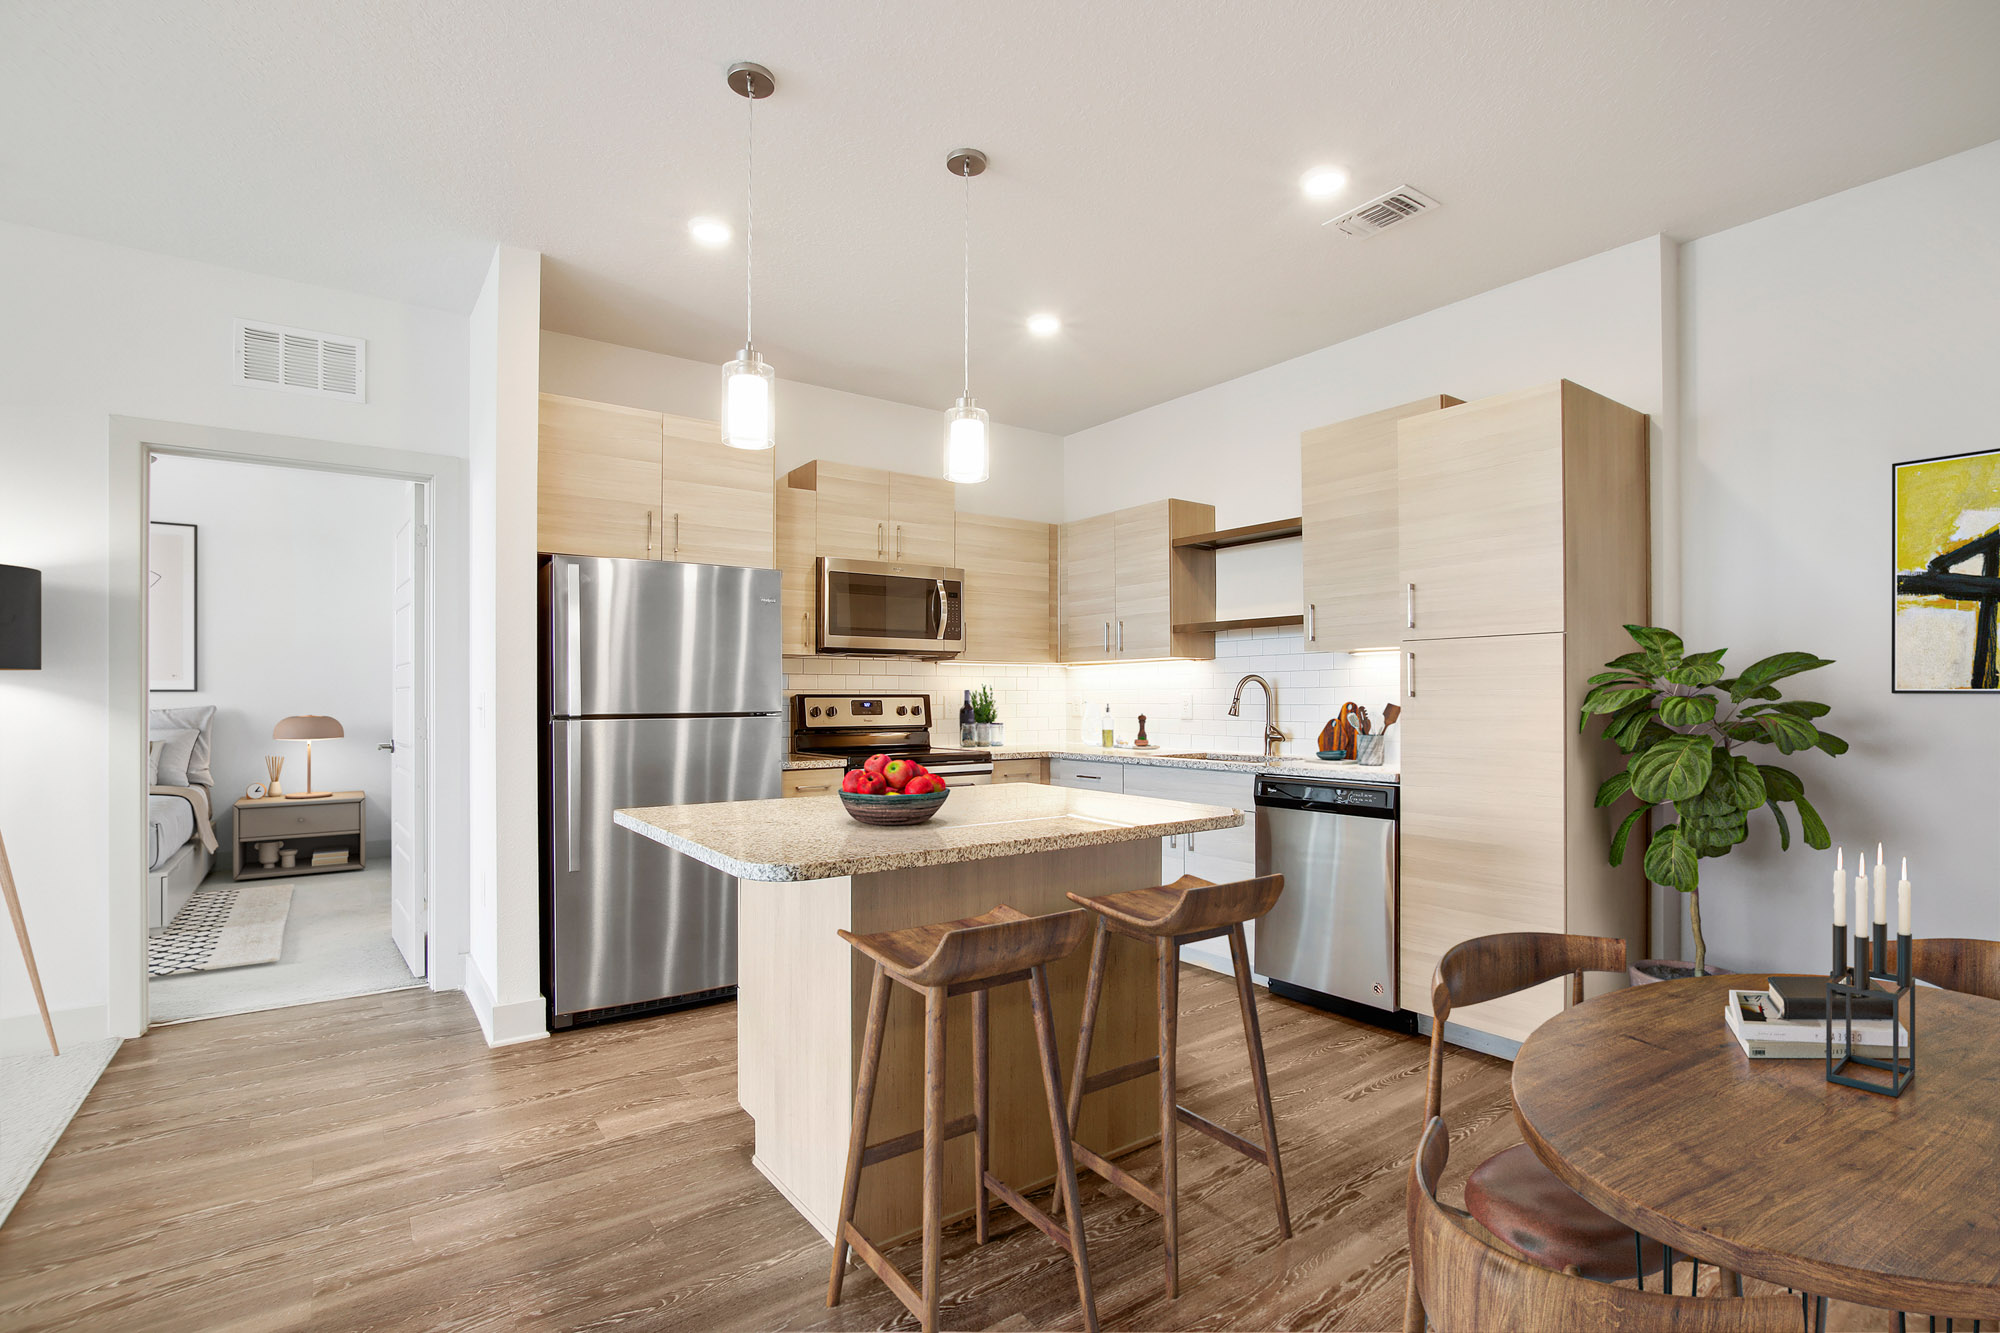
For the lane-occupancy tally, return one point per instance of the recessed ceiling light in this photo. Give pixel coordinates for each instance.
(711, 232)
(1044, 326)
(1323, 182)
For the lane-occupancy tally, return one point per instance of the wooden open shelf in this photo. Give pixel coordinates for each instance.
(1274, 531)
(1248, 622)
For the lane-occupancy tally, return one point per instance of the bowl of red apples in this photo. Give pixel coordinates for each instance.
(890, 793)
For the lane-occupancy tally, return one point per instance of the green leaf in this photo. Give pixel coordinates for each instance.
(1673, 769)
(1618, 677)
(1623, 728)
(1671, 860)
(1698, 668)
(1687, 710)
(1624, 832)
(1661, 645)
(1760, 674)
(1784, 829)
(1713, 835)
(1811, 824)
(1614, 787)
(1789, 734)
(1805, 708)
(1831, 743)
(1629, 662)
(1611, 698)
(1781, 784)
(1746, 783)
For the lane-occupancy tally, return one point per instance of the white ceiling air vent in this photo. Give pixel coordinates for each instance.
(269, 356)
(1384, 210)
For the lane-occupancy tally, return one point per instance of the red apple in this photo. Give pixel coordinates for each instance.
(923, 784)
(873, 784)
(876, 763)
(853, 780)
(898, 772)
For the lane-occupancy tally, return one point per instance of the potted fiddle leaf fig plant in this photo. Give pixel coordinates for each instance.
(1681, 722)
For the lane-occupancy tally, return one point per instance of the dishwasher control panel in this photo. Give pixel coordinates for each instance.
(1306, 794)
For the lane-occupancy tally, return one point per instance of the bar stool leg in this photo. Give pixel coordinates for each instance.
(1045, 1042)
(1093, 991)
(1170, 1003)
(1253, 1037)
(979, 1016)
(933, 1150)
(857, 1137)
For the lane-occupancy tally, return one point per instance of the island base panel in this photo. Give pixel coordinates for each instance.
(803, 1006)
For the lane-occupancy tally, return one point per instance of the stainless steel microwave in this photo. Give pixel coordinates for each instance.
(873, 606)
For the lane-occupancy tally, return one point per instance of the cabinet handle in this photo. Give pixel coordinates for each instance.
(1312, 623)
(881, 541)
(1410, 685)
(1410, 604)
(1088, 777)
(1121, 636)
(677, 534)
(899, 541)
(649, 534)
(1107, 636)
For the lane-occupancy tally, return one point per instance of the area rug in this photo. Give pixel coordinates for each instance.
(238, 926)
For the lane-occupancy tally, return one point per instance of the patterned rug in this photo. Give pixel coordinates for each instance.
(237, 926)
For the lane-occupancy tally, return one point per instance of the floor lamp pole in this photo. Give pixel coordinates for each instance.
(13, 896)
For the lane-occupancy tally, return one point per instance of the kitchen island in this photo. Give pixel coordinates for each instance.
(804, 870)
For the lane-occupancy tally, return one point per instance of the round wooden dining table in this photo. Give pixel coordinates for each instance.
(1641, 1101)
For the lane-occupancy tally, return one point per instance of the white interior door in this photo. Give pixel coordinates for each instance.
(408, 895)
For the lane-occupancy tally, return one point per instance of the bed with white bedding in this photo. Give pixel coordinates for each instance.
(180, 834)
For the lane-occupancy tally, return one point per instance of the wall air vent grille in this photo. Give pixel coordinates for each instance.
(1383, 211)
(268, 356)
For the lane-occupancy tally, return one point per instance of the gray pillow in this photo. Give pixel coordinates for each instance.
(153, 749)
(175, 747)
(201, 721)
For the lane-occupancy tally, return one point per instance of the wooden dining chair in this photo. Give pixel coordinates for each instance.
(1971, 967)
(1512, 1194)
(1466, 1284)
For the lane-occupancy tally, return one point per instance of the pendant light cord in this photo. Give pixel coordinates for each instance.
(966, 170)
(749, 210)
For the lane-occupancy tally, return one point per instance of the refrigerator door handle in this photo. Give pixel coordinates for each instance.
(573, 640)
(569, 793)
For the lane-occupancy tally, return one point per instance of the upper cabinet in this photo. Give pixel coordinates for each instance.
(624, 482)
(798, 519)
(1010, 596)
(1348, 472)
(1125, 585)
(865, 513)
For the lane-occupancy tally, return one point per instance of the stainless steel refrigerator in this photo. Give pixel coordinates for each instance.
(662, 684)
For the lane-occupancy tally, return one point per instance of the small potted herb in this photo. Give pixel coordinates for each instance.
(1681, 722)
(984, 715)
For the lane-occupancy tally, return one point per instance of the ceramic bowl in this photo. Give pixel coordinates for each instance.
(892, 810)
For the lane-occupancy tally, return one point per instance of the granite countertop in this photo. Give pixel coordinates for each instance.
(794, 762)
(1346, 770)
(812, 837)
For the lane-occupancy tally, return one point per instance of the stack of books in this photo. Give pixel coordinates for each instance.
(1788, 1022)
(331, 857)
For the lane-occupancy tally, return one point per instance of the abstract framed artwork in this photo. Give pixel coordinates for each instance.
(1947, 580)
(171, 591)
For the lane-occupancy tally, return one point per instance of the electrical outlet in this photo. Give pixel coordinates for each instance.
(1187, 708)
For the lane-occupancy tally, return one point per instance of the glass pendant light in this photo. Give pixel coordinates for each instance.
(749, 385)
(965, 446)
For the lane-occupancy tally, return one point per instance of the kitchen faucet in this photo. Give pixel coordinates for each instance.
(1272, 736)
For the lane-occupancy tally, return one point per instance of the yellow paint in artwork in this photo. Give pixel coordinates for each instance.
(1930, 499)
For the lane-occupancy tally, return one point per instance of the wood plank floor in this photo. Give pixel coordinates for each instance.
(369, 1163)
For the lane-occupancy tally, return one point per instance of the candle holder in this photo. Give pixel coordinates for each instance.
(1859, 981)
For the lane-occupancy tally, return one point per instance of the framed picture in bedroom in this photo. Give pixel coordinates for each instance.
(171, 598)
(1947, 553)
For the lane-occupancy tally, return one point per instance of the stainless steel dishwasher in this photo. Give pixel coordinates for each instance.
(1331, 940)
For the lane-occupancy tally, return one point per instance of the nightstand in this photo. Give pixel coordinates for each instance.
(307, 825)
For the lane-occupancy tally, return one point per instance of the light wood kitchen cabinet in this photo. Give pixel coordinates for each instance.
(1020, 770)
(798, 520)
(1499, 829)
(812, 781)
(867, 513)
(1349, 520)
(629, 483)
(598, 479)
(1009, 566)
(1125, 585)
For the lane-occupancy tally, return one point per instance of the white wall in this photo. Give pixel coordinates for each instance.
(816, 423)
(503, 973)
(87, 331)
(1822, 345)
(293, 616)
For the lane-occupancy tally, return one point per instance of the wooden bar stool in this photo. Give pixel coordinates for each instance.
(1180, 913)
(965, 957)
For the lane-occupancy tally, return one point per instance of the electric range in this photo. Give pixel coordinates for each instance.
(852, 727)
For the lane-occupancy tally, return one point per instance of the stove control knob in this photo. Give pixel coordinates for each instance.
(833, 710)
(813, 712)
(900, 710)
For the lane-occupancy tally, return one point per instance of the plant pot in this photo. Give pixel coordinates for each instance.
(1648, 970)
(996, 733)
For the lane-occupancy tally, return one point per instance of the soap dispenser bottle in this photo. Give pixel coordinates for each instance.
(1109, 733)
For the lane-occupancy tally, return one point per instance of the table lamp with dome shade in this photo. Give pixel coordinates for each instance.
(307, 727)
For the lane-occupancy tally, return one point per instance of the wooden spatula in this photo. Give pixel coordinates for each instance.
(1390, 714)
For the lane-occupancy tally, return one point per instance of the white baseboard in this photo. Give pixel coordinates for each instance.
(503, 1024)
(21, 1034)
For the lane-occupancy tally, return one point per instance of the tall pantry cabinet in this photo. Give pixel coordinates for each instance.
(1522, 525)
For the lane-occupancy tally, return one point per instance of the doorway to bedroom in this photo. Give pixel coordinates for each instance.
(285, 643)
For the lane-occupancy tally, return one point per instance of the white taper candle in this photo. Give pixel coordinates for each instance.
(1840, 888)
(1903, 900)
(1881, 886)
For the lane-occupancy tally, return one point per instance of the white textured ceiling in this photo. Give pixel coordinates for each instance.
(1145, 158)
